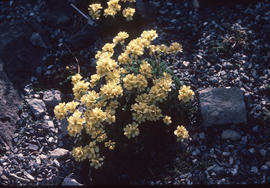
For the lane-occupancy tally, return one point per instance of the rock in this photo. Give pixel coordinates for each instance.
(254, 170)
(84, 38)
(37, 106)
(33, 147)
(51, 98)
(18, 53)
(222, 106)
(57, 14)
(144, 10)
(59, 153)
(68, 181)
(230, 135)
(36, 40)
(10, 101)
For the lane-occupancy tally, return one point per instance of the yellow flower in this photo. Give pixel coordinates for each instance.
(123, 58)
(128, 13)
(80, 88)
(131, 130)
(121, 36)
(131, 81)
(144, 111)
(181, 133)
(94, 10)
(161, 87)
(94, 79)
(111, 90)
(167, 120)
(71, 106)
(76, 78)
(175, 47)
(185, 94)
(149, 35)
(110, 145)
(145, 69)
(112, 9)
(78, 154)
(90, 98)
(75, 123)
(60, 111)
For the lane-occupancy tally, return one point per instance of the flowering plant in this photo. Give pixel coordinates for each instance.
(129, 91)
(113, 7)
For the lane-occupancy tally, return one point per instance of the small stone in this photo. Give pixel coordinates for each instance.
(50, 139)
(264, 168)
(70, 181)
(254, 170)
(33, 147)
(56, 163)
(251, 150)
(267, 164)
(186, 63)
(196, 152)
(231, 160)
(51, 98)
(234, 171)
(59, 153)
(226, 153)
(37, 107)
(230, 135)
(202, 135)
(263, 152)
(29, 176)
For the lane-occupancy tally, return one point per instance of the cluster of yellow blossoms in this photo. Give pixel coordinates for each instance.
(181, 133)
(185, 94)
(94, 10)
(111, 10)
(94, 110)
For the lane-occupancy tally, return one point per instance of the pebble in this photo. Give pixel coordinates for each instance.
(59, 153)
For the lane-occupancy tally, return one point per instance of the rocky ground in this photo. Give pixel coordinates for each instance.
(226, 45)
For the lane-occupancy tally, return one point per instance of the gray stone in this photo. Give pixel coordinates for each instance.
(51, 98)
(263, 153)
(59, 153)
(221, 106)
(37, 107)
(33, 147)
(68, 181)
(230, 135)
(254, 170)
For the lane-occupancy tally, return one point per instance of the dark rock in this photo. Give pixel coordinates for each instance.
(84, 38)
(57, 13)
(221, 106)
(19, 55)
(230, 135)
(10, 102)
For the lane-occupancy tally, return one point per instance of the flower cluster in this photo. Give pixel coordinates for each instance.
(94, 10)
(131, 130)
(113, 8)
(98, 102)
(128, 13)
(181, 133)
(185, 94)
(131, 81)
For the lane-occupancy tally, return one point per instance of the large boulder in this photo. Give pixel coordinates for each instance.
(57, 14)
(222, 106)
(10, 103)
(21, 49)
